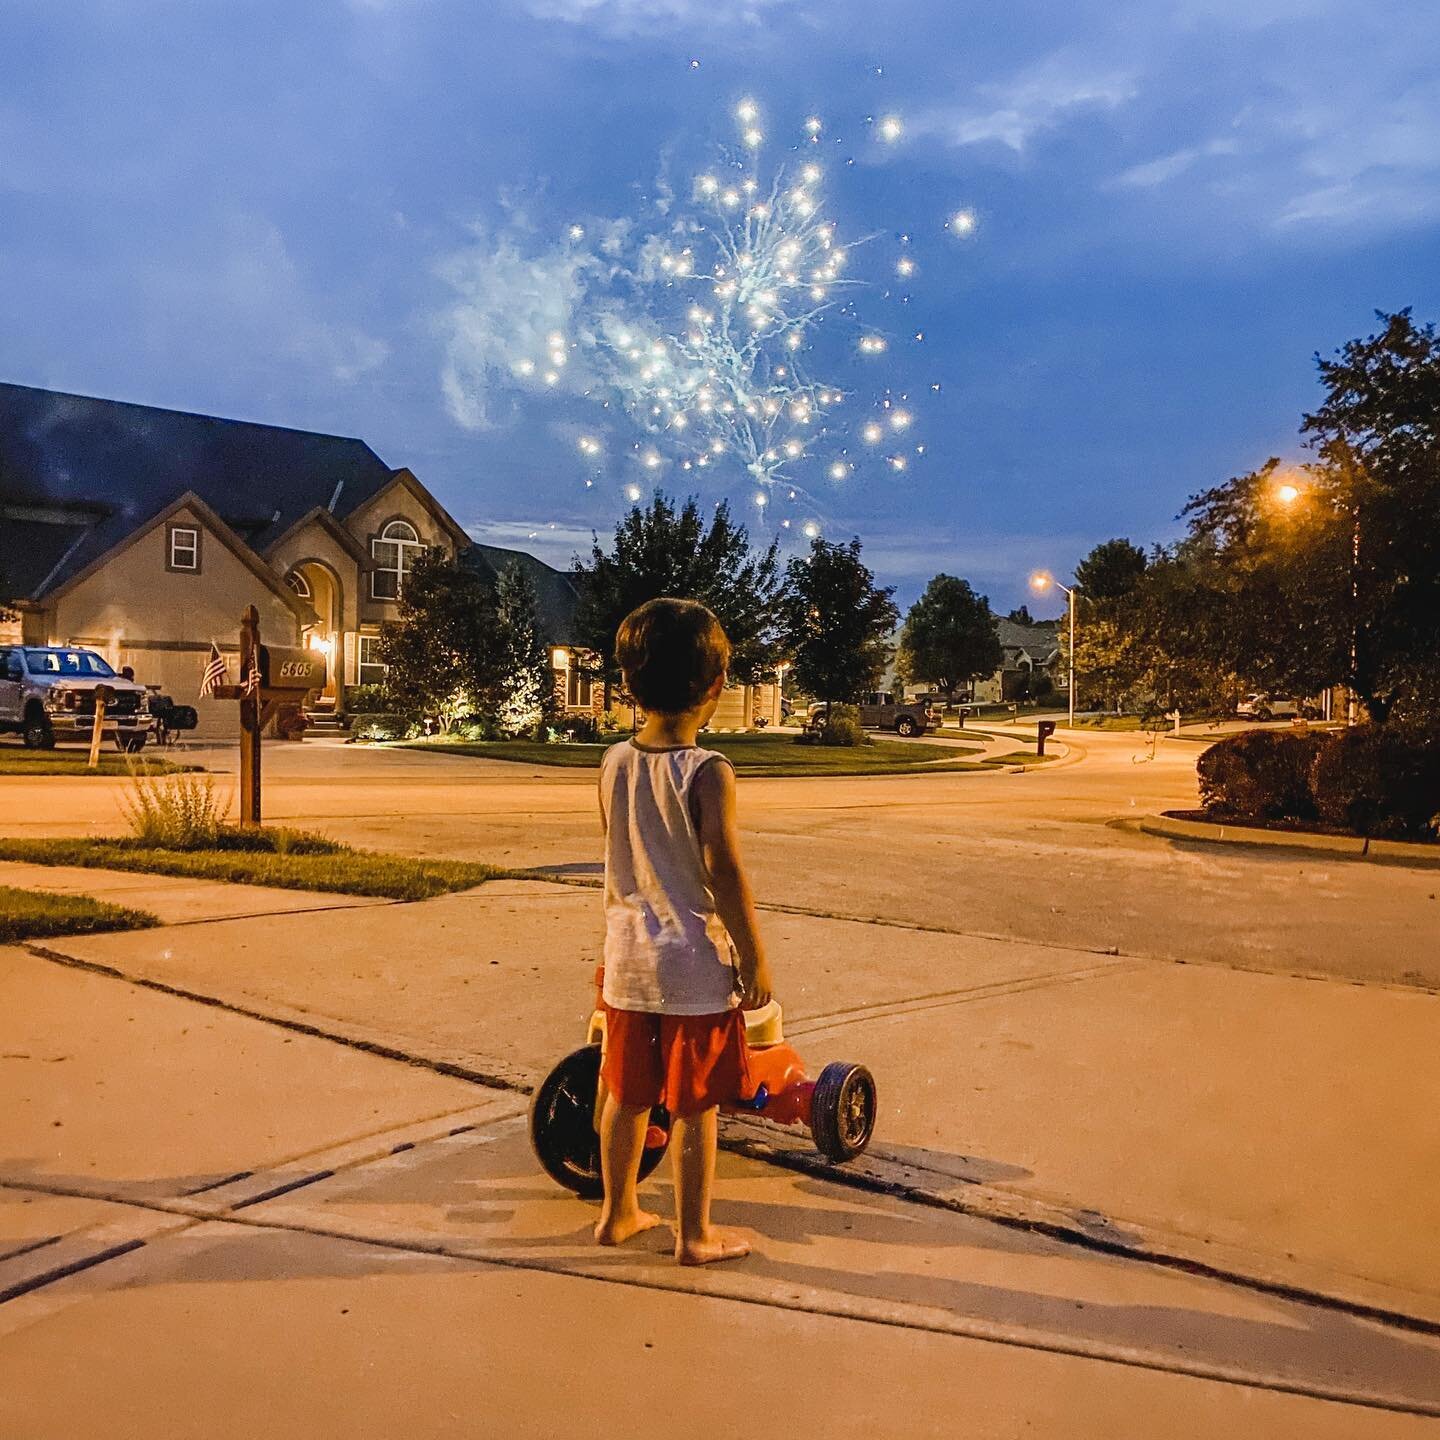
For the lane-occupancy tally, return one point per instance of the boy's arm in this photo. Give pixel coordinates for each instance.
(720, 850)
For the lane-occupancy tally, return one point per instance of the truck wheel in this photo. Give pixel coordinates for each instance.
(38, 734)
(132, 744)
(562, 1126)
(842, 1111)
(905, 725)
(1263, 714)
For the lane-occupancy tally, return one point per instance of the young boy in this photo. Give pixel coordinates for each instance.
(682, 948)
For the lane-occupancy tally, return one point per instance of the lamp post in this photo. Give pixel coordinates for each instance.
(1041, 581)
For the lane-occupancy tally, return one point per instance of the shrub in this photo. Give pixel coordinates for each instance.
(841, 726)
(381, 727)
(1381, 780)
(365, 699)
(1262, 774)
(581, 727)
(179, 812)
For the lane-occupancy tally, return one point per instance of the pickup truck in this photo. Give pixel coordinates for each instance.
(1259, 706)
(47, 693)
(883, 710)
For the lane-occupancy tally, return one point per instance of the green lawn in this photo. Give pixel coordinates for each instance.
(15, 761)
(269, 857)
(763, 754)
(35, 914)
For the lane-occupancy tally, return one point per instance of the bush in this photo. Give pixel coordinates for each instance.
(1381, 780)
(365, 699)
(841, 726)
(1262, 774)
(381, 727)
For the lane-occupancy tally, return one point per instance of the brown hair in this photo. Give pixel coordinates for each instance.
(671, 652)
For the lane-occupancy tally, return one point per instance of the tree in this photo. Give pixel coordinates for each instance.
(949, 637)
(444, 655)
(661, 550)
(528, 685)
(1021, 615)
(837, 622)
(1111, 570)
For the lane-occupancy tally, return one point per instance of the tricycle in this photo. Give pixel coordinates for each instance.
(838, 1107)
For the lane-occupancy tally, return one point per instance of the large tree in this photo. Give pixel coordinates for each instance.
(444, 656)
(661, 549)
(838, 622)
(949, 637)
(1111, 570)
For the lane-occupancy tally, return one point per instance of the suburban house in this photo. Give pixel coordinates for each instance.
(1030, 665)
(144, 533)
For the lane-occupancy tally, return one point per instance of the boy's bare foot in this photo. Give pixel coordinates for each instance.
(716, 1245)
(616, 1230)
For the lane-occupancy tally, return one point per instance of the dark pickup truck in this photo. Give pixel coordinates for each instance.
(883, 710)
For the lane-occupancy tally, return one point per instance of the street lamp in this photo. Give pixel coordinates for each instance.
(1041, 581)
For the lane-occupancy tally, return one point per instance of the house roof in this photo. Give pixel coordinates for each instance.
(1039, 641)
(555, 594)
(93, 471)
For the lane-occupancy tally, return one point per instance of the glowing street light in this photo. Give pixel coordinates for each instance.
(1040, 582)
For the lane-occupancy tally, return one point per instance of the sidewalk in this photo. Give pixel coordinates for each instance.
(1265, 1123)
(272, 1234)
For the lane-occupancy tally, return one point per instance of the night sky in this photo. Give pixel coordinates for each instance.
(349, 217)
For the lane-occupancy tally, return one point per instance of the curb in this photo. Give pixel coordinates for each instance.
(1354, 847)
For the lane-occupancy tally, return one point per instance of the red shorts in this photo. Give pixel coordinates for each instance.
(686, 1063)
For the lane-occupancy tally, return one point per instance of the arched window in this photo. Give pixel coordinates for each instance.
(394, 550)
(299, 584)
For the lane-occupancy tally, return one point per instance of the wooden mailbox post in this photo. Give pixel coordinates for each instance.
(269, 674)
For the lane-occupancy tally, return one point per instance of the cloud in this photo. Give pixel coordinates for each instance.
(1038, 99)
(628, 17)
(1166, 167)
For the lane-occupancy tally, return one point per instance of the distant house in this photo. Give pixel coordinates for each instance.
(144, 533)
(1030, 666)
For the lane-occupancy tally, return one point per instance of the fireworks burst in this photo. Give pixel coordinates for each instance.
(709, 333)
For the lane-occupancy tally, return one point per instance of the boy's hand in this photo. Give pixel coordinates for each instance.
(756, 985)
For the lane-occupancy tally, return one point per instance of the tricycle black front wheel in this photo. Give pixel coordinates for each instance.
(562, 1125)
(842, 1111)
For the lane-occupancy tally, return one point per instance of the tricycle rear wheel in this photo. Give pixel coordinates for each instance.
(562, 1125)
(842, 1111)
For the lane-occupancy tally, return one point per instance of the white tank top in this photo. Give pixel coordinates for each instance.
(666, 949)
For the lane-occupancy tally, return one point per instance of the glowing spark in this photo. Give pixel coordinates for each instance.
(746, 111)
(962, 222)
(707, 185)
(525, 367)
(551, 378)
(839, 470)
(589, 445)
(811, 174)
(900, 420)
(891, 129)
(752, 138)
(810, 530)
(651, 460)
(873, 345)
(577, 232)
(814, 125)
(872, 434)
(897, 462)
(761, 499)
(905, 266)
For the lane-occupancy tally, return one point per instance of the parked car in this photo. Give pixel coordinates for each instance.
(883, 710)
(1260, 706)
(47, 693)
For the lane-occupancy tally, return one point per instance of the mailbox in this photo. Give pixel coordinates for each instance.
(1044, 730)
(291, 668)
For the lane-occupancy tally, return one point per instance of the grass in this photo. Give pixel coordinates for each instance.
(59, 762)
(36, 914)
(763, 754)
(285, 859)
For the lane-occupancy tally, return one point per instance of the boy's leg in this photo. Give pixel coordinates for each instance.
(692, 1148)
(622, 1140)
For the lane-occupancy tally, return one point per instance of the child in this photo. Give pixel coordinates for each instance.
(682, 948)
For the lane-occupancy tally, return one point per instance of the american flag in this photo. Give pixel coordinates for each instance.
(216, 672)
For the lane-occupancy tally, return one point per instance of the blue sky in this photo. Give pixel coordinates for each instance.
(331, 213)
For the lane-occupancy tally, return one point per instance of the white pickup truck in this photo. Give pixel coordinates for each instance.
(47, 693)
